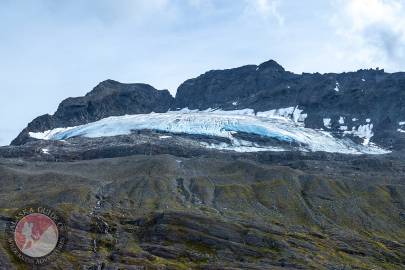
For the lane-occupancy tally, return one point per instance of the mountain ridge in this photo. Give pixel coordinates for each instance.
(106, 99)
(347, 101)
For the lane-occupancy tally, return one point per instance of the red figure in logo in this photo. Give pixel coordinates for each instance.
(36, 235)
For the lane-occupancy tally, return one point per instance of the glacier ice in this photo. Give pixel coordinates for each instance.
(293, 113)
(284, 124)
(363, 131)
(327, 122)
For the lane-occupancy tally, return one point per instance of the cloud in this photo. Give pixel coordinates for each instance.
(6, 135)
(268, 9)
(374, 30)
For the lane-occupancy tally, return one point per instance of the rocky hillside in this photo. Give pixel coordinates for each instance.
(216, 211)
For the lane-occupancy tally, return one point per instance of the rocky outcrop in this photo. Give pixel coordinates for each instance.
(233, 88)
(109, 98)
(353, 97)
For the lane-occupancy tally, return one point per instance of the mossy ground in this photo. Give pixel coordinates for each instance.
(222, 212)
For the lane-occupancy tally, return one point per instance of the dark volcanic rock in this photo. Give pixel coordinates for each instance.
(365, 94)
(219, 88)
(109, 98)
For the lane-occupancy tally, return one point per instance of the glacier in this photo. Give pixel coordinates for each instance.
(285, 125)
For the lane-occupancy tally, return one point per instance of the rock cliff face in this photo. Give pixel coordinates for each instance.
(109, 98)
(347, 99)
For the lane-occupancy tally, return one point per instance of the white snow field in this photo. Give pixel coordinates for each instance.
(284, 124)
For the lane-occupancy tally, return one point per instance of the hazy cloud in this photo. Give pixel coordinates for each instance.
(268, 9)
(374, 30)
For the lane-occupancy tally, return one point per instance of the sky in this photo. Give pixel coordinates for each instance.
(54, 49)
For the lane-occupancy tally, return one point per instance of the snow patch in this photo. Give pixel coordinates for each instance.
(337, 87)
(164, 137)
(368, 120)
(46, 135)
(401, 123)
(234, 103)
(354, 119)
(363, 131)
(240, 149)
(293, 113)
(327, 122)
(341, 120)
(247, 112)
(45, 151)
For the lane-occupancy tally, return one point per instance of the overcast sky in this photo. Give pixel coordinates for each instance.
(51, 50)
